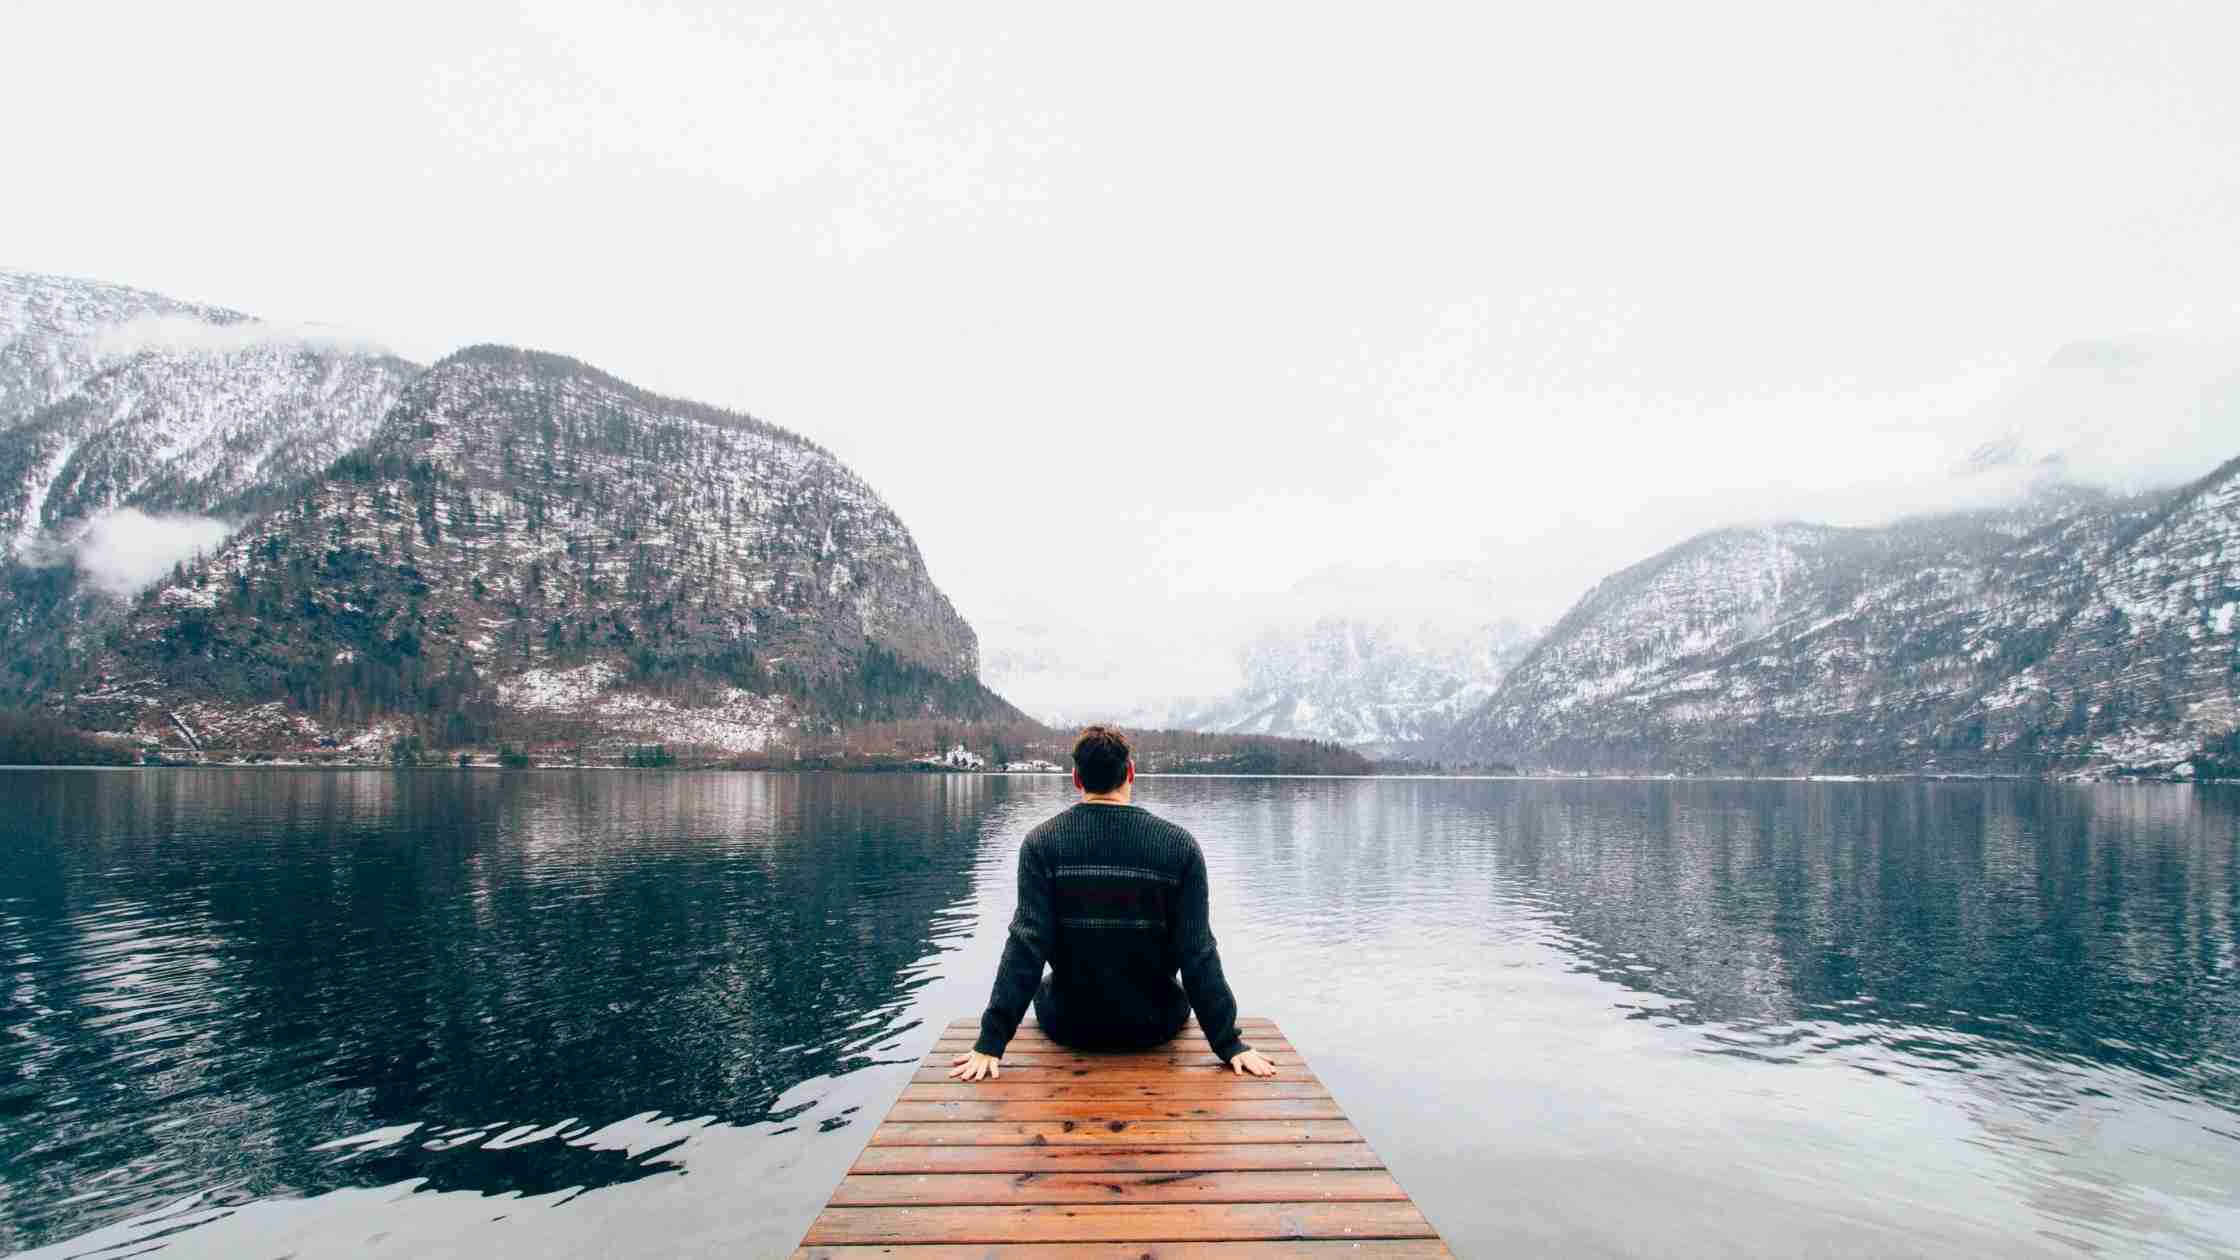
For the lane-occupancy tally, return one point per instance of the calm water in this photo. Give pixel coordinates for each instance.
(364, 1013)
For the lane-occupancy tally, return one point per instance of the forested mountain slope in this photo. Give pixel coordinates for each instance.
(2072, 632)
(528, 547)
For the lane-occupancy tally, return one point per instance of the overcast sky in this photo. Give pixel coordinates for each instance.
(1230, 294)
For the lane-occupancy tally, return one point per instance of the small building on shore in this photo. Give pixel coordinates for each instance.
(957, 758)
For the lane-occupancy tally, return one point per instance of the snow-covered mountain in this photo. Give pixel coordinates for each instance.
(1385, 688)
(2074, 631)
(530, 549)
(130, 423)
(189, 432)
(55, 331)
(1069, 675)
(111, 397)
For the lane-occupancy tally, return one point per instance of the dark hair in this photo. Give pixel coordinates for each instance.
(1100, 757)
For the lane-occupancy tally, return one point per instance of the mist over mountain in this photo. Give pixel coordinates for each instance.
(2126, 414)
(1380, 660)
(1389, 688)
(52, 330)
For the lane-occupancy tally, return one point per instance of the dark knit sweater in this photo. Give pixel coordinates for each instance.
(1113, 897)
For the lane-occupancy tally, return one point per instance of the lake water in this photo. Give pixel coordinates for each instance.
(268, 1013)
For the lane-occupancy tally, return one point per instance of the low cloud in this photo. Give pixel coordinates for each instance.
(2126, 413)
(184, 334)
(124, 551)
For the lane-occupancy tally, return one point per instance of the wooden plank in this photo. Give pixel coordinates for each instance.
(1029, 1024)
(1303, 1249)
(1116, 1071)
(1192, 1027)
(1117, 1222)
(1076, 1059)
(1226, 1085)
(1249, 1027)
(1194, 1046)
(996, 1189)
(1113, 1133)
(1160, 1154)
(1209, 1157)
(1097, 1111)
(1254, 1031)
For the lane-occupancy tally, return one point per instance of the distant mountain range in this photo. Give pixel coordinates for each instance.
(506, 545)
(226, 534)
(1384, 687)
(2071, 629)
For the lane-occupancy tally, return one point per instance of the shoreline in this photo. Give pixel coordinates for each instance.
(1558, 777)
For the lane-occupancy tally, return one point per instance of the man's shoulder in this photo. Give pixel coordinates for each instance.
(1075, 821)
(1163, 835)
(1166, 827)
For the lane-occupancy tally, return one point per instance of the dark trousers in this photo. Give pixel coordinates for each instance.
(1082, 1031)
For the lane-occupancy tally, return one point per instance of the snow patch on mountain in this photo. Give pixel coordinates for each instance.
(548, 690)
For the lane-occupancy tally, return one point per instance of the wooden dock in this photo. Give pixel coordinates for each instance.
(1160, 1155)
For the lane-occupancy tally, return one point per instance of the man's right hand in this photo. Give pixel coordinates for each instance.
(975, 1066)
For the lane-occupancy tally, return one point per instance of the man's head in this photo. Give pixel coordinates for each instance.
(1102, 761)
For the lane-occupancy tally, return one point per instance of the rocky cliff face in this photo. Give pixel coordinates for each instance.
(2073, 632)
(529, 548)
(1386, 690)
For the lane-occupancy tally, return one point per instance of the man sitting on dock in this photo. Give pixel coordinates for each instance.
(1114, 898)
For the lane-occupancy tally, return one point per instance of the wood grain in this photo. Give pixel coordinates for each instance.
(997, 1189)
(1301, 1249)
(1209, 1085)
(1097, 1111)
(1117, 1222)
(1244, 1156)
(1159, 1154)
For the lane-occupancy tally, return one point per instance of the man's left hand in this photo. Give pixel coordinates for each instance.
(975, 1066)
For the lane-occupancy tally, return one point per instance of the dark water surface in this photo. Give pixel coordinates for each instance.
(268, 1013)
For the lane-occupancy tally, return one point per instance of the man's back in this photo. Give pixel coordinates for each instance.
(1114, 898)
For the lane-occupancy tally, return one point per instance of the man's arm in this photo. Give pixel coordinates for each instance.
(1020, 972)
(1202, 980)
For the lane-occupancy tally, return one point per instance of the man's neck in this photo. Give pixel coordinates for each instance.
(1106, 798)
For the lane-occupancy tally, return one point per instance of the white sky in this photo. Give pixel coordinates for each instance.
(1247, 292)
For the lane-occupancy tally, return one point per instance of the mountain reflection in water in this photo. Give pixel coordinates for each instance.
(340, 1013)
